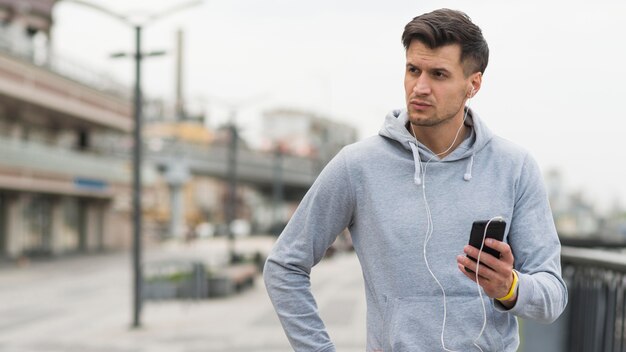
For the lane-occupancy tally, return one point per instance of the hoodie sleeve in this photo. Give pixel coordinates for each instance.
(542, 294)
(324, 212)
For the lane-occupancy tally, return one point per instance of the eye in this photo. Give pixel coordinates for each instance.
(440, 74)
(412, 69)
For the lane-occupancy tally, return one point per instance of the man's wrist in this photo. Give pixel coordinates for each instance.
(512, 294)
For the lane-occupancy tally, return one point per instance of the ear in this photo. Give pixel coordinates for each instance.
(475, 82)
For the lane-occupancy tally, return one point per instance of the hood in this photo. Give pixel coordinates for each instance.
(394, 128)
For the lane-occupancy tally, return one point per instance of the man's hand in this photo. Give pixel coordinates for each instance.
(495, 275)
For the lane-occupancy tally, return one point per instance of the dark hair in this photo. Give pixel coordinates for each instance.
(444, 26)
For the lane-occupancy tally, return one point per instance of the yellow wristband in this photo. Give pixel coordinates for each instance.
(512, 290)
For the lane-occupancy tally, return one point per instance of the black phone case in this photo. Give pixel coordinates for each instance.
(495, 230)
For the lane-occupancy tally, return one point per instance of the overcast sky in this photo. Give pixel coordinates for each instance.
(555, 83)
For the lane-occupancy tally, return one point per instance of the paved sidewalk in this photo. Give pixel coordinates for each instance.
(84, 304)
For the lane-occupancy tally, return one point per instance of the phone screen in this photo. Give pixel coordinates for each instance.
(495, 230)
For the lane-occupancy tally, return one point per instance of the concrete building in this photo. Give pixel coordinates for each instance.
(64, 145)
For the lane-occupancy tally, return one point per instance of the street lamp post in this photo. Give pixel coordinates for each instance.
(137, 209)
(138, 56)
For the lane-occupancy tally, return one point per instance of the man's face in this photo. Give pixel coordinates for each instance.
(435, 84)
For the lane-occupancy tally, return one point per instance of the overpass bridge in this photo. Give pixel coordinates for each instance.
(263, 170)
(277, 176)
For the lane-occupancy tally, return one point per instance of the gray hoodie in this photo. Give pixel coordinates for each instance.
(375, 188)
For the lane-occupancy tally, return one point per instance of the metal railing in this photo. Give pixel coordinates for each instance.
(596, 282)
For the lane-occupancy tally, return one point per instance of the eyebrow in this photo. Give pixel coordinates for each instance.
(408, 64)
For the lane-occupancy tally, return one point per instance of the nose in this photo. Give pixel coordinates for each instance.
(422, 86)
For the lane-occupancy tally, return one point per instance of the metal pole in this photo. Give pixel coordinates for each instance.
(231, 210)
(137, 184)
(277, 185)
(180, 105)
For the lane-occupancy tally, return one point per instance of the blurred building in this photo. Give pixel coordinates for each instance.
(25, 28)
(184, 199)
(195, 164)
(574, 216)
(64, 141)
(65, 160)
(192, 188)
(294, 133)
(305, 133)
(614, 226)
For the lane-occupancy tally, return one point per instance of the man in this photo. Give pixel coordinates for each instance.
(409, 197)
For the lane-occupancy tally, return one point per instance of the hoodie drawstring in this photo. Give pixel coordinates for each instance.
(468, 171)
(417, 178)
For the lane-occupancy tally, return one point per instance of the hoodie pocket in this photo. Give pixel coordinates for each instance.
(414, 324)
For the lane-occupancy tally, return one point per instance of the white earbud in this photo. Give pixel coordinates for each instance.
(471, 94)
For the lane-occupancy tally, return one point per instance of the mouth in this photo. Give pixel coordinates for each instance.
(419, 105)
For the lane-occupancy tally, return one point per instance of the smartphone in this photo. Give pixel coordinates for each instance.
(495, 230)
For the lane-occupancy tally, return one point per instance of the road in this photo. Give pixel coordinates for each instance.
(83, 303)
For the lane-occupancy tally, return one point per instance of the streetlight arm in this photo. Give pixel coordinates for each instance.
(126, 19)
(172, 10)
(123, 19)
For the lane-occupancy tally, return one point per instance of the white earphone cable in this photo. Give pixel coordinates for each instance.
(480, 291)
(430, 226)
